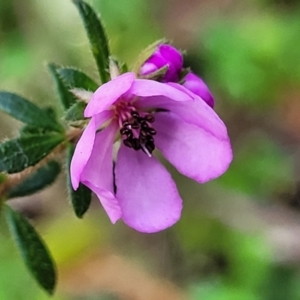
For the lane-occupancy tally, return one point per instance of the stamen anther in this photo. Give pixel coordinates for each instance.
(149, 118)
(152, 131)
(135, 144)
(127, 143)
(124, 131)
(135, 125)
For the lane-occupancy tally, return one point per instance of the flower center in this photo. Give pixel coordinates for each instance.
(136, 130)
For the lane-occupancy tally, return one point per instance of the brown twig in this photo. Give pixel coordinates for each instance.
(14, 179)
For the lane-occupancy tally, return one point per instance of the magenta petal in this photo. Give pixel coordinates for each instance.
(98, 172)
(108, 93)
(103, 117)
(146, 192)
(165, 55)
(174, 58)
(147, 68)
(183, 89)
(196, 85)
(195, 152)
(151, 88)
(195, 112)
(84, 147)
(82, 153)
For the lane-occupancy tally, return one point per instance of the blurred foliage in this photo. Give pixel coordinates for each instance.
(250, 57)
(131, 24)
(254, 58)
(254, 170)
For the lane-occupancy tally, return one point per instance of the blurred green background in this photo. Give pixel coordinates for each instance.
(239, 236)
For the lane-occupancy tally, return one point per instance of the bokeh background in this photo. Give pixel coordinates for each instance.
(239, 236)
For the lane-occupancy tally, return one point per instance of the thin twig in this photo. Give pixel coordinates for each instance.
(14, 179)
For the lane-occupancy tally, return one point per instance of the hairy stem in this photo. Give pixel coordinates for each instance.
(12, 180)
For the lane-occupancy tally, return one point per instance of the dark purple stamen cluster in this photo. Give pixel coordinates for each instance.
(140, 125)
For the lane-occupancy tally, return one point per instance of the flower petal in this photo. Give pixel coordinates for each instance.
(194, 112)
(196, 85)
(174, 59)
(146, 192)
(84, 147)
(108, 93)
(82, 153)
(108, 201)
(151, 88)
(98, 172)
(103, 117)
(195, 152)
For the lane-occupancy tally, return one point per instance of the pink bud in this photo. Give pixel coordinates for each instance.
(197, 86)
(164, 55)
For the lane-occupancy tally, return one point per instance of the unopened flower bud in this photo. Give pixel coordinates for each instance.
(164, 55)
(197, 86)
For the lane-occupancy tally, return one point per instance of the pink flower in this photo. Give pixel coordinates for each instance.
(167, 55)
(145, 115)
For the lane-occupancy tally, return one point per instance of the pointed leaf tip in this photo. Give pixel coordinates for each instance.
(27, 112)
(74, 78)
(65, 96)
(33, 250)
(97, 37)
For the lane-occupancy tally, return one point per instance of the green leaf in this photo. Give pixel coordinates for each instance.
(97, 37)
(33, 250)
(65, 96)
(3, 178)
(50, 111)
(28, 129)
(116, 67)
(27, 112)
(74, 78)
(39, 180)
(123, 68)
(20, 153)
(75, 112)
(81, 198)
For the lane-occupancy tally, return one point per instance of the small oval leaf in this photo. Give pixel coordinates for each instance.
(27, 112)
(25, 151)
(40, 179)
(74, 78)
(33, 250)
(97, 37)
(81, 198)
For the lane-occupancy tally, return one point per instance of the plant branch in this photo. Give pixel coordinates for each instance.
(14, 179)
